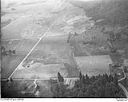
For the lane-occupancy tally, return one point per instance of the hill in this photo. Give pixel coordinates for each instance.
(112, 11)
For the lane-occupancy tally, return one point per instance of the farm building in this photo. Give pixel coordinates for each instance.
(93, 65)
(125, 62)
(117, 69)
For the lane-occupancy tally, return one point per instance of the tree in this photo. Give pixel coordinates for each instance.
(110, 78)
(80, 75)
(126, 69)
(99, 86)
(14, 52)
(115, 79)
(5, 53)
(106, 76)
(100, 91)
(60, 78)
(59, 90)
(69, 38)
(2, 49)
(108, 92)
(10, 52)
(11, 79)
(87, 79)
(82, 79)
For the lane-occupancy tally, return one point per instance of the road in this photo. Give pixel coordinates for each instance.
(124, 89)
(121, 86)
(123, 77)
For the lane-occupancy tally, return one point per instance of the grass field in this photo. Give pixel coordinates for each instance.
(94, 65)
(40, 71)
(49, 57)
(24, 22)
(51, 50)
(9, 63)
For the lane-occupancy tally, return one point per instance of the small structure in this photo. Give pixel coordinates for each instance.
(67, 81)
(125, 62)
(117, 68)
(70, 81)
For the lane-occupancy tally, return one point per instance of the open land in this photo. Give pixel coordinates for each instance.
(51, 23)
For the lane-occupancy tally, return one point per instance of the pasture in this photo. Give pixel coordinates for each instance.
(94, 65)
(40, 71)
(9, 63)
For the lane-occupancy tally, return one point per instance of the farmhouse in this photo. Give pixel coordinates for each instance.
(93, 65)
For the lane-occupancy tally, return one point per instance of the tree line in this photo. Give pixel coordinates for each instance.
(95, 86)
(5, 52)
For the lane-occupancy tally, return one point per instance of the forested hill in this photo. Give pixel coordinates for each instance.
(112, 11)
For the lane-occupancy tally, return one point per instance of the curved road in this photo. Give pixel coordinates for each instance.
(121, 86)
(124, 89)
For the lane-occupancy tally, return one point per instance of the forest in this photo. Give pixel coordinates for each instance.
(103, 86)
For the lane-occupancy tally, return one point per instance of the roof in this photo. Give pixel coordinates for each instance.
(125, 62)
(94, 65)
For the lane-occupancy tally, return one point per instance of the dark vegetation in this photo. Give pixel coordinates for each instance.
(95, 86)
(125, 83)
(5, 53)
(24, 89)
(13, 90)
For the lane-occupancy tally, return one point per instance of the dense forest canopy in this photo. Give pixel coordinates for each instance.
(95, 86)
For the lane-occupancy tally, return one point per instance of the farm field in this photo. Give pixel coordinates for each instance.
(49, 57)
(52, 46)
(43, 37)
(20, 45)
(40, 71)
(94, 65)
(9, 63)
